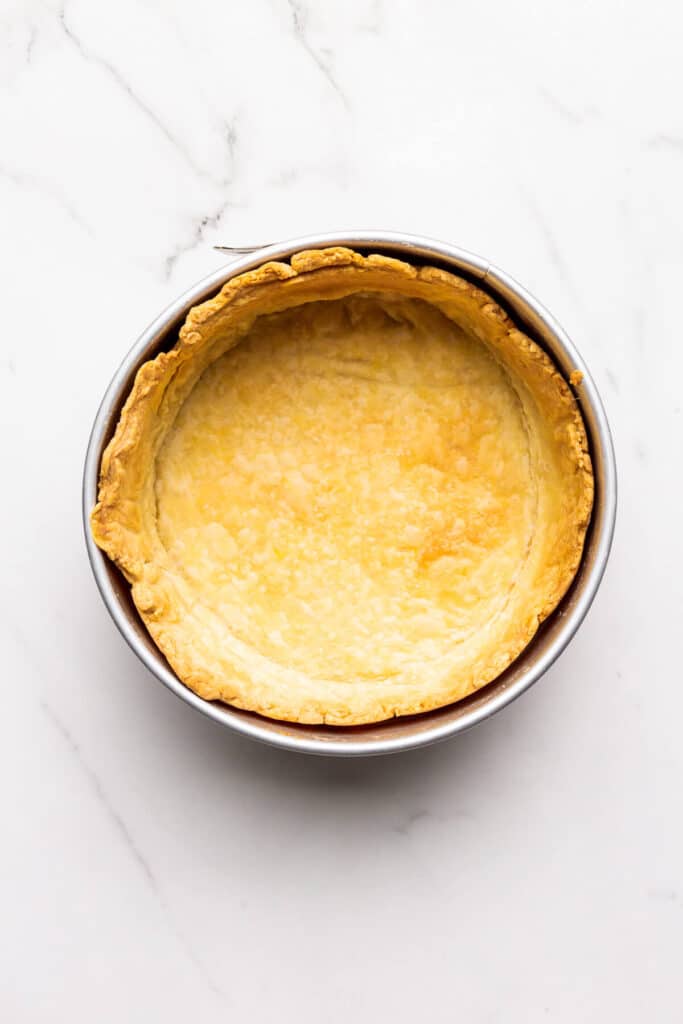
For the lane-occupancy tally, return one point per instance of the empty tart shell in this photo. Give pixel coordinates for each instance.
(352, 490)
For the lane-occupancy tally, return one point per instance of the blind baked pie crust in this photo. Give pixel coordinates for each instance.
(352, 490)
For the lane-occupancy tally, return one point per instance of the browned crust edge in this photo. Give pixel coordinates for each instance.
(117, 522)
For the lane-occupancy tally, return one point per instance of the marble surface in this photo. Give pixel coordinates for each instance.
(155, 868)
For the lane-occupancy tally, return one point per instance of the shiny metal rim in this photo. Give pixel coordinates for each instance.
(536, 318)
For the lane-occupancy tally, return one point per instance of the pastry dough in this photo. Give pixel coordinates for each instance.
(352, 490)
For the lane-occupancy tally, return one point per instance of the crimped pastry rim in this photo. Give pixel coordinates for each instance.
(120, 545)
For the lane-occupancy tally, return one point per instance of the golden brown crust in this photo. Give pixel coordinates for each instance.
(124, 521)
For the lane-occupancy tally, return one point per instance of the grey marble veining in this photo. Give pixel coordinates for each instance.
(153, 866)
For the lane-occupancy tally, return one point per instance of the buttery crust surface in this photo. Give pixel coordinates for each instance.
(352, 490)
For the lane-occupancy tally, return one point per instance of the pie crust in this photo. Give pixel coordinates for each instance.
(352, 490)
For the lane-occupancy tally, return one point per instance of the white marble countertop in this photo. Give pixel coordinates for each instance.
(156, 868)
